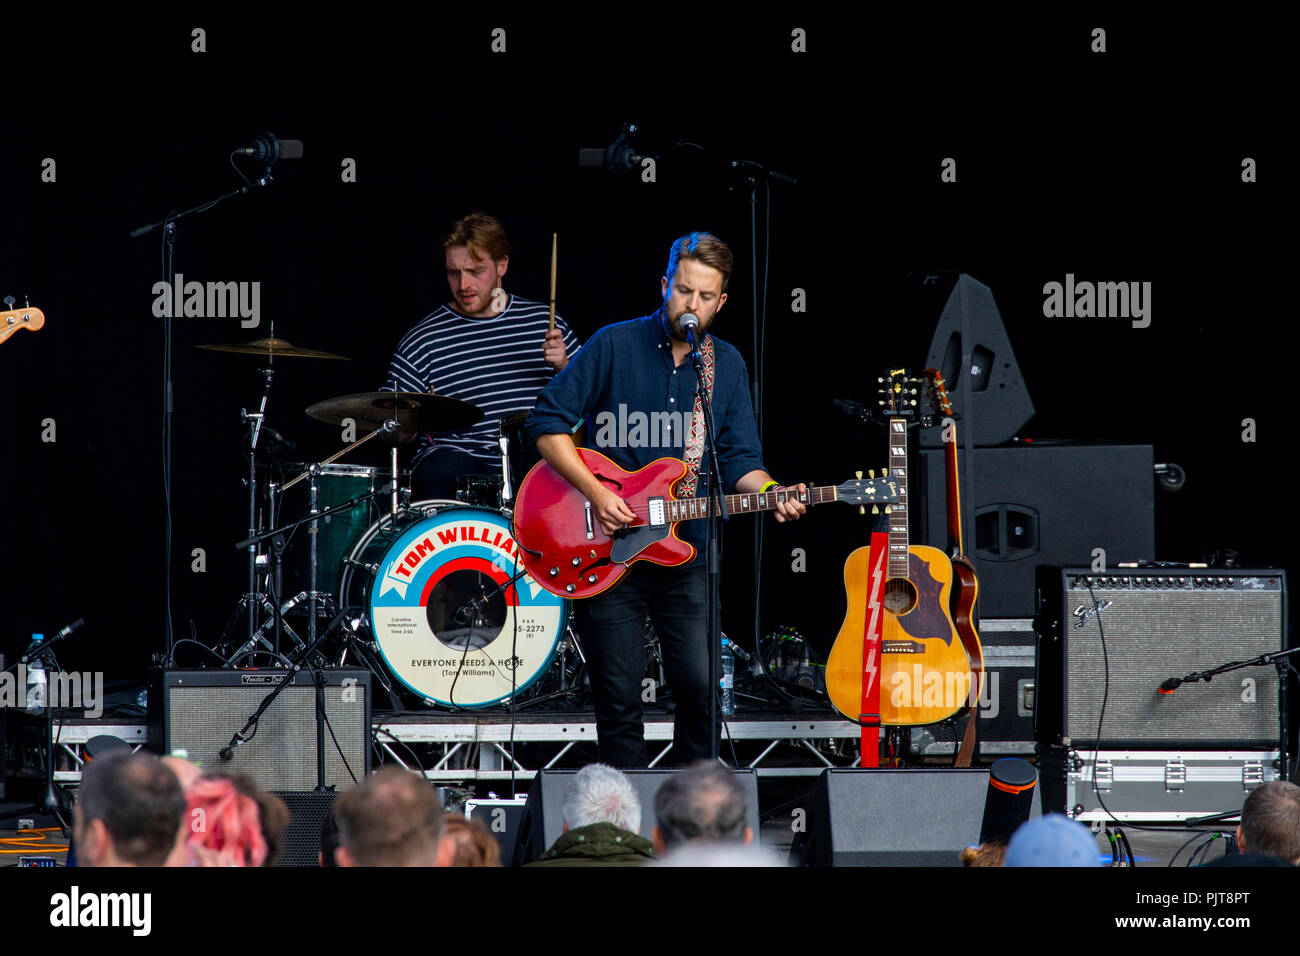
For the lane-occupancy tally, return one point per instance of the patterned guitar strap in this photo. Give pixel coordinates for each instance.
(695, 440)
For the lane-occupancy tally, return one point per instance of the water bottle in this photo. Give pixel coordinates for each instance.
(37, 681)
(728, 680)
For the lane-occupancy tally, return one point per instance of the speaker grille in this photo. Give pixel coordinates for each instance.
(300, 844)
(204, 709)
(1156, 632)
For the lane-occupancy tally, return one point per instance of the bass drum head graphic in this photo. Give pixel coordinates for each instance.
(452, 621)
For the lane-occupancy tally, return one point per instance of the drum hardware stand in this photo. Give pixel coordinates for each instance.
(52, 801)
(569, 687)
(313, 598)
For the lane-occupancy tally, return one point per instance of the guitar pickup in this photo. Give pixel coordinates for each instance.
(658, 512)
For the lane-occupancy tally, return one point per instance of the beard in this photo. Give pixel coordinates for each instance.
(675, 324)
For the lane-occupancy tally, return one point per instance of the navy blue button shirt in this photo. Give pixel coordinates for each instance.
(638, 405)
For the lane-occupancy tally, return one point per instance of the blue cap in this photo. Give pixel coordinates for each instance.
(1052, 840)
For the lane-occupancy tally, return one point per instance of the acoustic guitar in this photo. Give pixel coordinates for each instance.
(925, 675)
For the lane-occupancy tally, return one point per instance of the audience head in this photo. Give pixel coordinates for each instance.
(472, 844)
(986, 854)
(224, 824)
(1052, 840)
(704, 803)
(1270, 821)
(129, 811)
(601, 794)
(391, 819)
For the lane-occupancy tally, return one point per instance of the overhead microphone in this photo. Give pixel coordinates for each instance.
(617, 157)
(267, 148)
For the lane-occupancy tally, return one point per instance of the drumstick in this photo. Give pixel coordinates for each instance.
(554, 241)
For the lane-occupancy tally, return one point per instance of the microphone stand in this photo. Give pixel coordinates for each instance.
(52, 802)
(227, 753)
(1281, 661)
(712, 548)
(168, 224)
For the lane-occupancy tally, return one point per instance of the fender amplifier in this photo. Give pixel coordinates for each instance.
(198, 711)
(1158, 623)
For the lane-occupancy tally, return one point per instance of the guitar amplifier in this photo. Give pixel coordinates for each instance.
(1158, 623)
(198, 711)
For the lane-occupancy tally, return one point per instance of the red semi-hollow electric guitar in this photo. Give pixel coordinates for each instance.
(564, 549)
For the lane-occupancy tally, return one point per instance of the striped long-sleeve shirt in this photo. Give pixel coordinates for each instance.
(495, 362)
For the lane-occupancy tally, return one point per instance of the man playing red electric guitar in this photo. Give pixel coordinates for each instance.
(640, 372)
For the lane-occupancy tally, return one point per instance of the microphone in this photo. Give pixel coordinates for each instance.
(285, 446)
(70, 628)
(268, 149)
(690, 324)
(228, 751)
(617, 157)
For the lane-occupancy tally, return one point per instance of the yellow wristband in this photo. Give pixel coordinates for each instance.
(768, 487)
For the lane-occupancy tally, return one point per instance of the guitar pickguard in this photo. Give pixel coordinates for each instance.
(626, 545)
(927, 619)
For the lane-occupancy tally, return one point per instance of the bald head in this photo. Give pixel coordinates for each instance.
(703, 803)
(393, 819)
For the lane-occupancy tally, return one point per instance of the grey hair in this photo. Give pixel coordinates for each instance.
(601, 794)
(703, 802)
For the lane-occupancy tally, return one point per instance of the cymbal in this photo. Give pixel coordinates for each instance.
(416, 412)
(273, 348)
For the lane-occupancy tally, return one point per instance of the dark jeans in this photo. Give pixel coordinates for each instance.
(612, 627)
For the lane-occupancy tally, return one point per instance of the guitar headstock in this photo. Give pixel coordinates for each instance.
(15, 319)
(898, 393)
(868, 491)
(936, 392)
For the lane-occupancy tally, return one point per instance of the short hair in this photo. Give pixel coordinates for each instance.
(705, 248)
(601, 794)
(272, 814)
(139, 801)
(475, 846)
(986, 854)
(703, 802)
(482, 234)
(392, 819)
(1270, 820)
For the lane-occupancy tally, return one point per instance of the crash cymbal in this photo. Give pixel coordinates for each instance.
(273, 348)
(415, 411)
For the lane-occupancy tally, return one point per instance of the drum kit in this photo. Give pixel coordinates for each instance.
(431, 593)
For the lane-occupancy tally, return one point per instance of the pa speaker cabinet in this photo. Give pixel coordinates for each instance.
(300, 842)
(914, 817)
(1040, 504)
(200, 710)
(543, 820)
(1158, 624)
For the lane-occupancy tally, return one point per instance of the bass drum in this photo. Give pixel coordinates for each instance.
(436, 586)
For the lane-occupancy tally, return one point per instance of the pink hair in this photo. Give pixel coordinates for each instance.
(229, 823)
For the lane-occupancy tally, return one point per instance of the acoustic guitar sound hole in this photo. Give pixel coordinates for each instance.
(900, 595)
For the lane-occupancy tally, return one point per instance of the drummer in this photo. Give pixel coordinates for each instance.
(485, 346)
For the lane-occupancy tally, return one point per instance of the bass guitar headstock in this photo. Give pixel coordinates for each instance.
(15, 319)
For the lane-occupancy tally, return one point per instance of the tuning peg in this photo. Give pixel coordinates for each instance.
(875, 509)
(884, 472)
(862, 509)
(871, 473)
(858, 474)
(886, 509)
(9, 301)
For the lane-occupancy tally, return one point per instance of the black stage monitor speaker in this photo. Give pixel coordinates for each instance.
(198, 711)
(300, 842)
(971, 348)
(544, 812)
(1042, 504)
(1159, 623)
(914, 817)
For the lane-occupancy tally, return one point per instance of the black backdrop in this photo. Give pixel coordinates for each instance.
(1119, 166)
